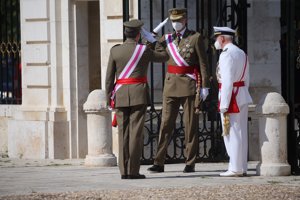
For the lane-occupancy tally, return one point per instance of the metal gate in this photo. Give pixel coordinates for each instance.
(10, 52)
(202, 16)
(290, 51)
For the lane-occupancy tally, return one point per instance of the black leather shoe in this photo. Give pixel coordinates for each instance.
(139, 176)
(189, 169)
(156, 169)
(124, 177)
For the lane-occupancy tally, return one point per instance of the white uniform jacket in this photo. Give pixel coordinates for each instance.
(230, 70)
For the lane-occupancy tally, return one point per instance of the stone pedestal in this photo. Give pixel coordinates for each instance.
(99, 131)
(272, 111)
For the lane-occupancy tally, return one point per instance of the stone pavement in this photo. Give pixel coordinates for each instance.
(70, 179)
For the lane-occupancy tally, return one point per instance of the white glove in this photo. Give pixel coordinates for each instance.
(147, 35)
(223, 110)
(204, 93)
(160, 25)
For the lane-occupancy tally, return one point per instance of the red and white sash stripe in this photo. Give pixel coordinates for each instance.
(130, 66)
(175, 54)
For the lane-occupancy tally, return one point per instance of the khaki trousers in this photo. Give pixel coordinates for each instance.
(169, 114)
(130, 126)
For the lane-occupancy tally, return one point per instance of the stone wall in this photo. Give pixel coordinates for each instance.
(6, 113)
(263, 47)
(265, 59)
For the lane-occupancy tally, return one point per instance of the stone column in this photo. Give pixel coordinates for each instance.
(99, 131)
(272, 111)
(39, 129)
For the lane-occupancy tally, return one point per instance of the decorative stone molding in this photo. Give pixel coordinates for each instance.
(99, 131)
(273, 111)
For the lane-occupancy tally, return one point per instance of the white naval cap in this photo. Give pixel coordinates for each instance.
(223, 31)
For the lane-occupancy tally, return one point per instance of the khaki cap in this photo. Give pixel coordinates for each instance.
(133, 26)
(177, 13)
(134, 23)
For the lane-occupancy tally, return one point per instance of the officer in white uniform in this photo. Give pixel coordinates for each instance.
(233, 77)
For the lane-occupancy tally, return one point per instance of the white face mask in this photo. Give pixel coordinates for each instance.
(217, 45)
(177, 26)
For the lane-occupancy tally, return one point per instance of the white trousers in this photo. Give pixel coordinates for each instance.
(236, 142)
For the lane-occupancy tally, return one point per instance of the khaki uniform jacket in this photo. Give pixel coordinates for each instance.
(130, 94)
(192, 50)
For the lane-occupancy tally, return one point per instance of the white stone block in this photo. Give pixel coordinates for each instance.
(263, 29)
(36, 53)
(34, 8)
(26, 139)
(8, 110)
(36, 76)
(264, 52)
(33, 113)
(266, 8)
(35, 31)
(274, 169)
(36, 96)
(116, 26)
(58, 139)
(259, 79)
(253, 135)
(113, 9)
(3, 136)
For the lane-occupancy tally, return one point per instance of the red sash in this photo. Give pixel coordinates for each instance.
(124, 76)
(176, 55)
(126, 81)
(233, 106)
(181, 70)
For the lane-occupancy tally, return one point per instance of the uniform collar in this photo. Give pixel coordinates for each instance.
(182, 32)
(226, 46)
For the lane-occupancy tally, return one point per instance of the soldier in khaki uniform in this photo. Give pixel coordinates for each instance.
(132, 97)
(187, 54)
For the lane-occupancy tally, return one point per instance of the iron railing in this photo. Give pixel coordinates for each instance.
(202, 16)
(10, 52)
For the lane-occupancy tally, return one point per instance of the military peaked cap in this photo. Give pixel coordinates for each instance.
(177, 13)
(223, 31)
(134, 23)
(133, 26)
